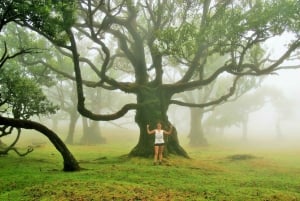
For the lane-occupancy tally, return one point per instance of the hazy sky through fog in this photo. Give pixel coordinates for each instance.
(287, 79)
(288, 82)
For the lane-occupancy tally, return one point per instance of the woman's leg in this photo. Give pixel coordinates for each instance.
(161, 150)
(156, 149)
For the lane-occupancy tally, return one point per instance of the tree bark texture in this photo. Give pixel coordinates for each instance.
(154, 105)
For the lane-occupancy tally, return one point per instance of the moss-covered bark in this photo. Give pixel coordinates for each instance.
(153, 107)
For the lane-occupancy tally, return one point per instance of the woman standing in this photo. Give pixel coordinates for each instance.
(159, 141)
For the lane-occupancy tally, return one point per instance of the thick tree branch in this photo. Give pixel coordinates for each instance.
(181, 87)
(247, 69)
(80, 94)
(82, 59)
(70, 163)
(101, 117)
(223, 98)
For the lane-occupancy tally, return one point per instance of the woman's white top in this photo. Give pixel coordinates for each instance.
(159, 136)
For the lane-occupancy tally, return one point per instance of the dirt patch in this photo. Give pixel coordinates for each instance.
(238, 157)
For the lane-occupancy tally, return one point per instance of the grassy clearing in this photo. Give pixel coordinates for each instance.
(214, 173)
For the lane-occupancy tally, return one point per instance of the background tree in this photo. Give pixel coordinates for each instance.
(237, 112)
(283, 108)
(209, 93)
(216, 89)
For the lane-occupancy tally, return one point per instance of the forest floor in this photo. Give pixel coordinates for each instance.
(215, 172)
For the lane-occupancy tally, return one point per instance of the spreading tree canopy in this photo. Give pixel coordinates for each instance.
(143, 39)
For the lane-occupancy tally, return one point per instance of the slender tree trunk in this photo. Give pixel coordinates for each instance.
(196, 134)
(73, 120)
(91, 133)
(154, 108)
(70, 163)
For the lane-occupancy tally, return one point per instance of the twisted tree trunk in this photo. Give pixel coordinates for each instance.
(154, 105)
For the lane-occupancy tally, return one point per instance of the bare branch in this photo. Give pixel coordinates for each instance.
(29, 150)
(12, 146)
(251, 69)
(5, 56)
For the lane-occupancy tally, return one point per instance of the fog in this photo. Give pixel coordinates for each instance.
(261, 128)
(261, 123)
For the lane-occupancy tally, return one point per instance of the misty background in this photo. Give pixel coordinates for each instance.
(275, 122)
(262, 123)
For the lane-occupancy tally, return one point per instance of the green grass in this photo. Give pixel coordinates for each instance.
(213, 173)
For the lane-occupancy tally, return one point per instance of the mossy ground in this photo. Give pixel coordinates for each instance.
(213, 173)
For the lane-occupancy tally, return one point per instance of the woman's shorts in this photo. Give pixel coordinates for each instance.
(159, 144)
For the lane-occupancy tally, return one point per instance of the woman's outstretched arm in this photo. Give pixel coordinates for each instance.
(150, 131)
(169, 131)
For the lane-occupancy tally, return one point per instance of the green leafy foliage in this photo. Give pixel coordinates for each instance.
(179, 41)
(22, 96)
(229, 27)
(51, 18)
(17, 38)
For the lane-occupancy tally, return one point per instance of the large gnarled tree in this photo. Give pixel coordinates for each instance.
(144, 38)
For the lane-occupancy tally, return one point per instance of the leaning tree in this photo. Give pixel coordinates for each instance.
(42, 17)
(145, 38)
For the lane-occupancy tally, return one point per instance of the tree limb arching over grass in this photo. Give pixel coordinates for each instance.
(70, 163)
